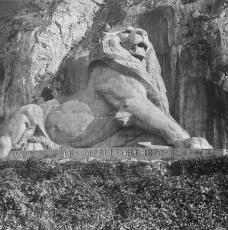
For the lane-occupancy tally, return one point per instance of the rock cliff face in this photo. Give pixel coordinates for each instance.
(38, 39)
(45, 51)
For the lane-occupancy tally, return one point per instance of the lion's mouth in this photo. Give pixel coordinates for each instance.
(139, 50)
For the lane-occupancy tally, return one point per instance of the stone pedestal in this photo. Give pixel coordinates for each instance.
(118, 154)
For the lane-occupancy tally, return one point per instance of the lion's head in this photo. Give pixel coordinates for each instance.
(130, 44)
(136, 41)
(130, 52)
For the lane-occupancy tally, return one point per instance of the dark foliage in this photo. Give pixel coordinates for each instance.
(73, 195)
(188, 1)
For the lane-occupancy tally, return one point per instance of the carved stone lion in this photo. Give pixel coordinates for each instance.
(125, 88)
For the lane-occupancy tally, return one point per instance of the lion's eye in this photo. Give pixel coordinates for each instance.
(139, 33)
(142, 33)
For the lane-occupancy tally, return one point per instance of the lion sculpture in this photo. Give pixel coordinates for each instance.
(125, 88)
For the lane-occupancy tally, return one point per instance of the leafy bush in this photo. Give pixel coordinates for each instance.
(73, 195)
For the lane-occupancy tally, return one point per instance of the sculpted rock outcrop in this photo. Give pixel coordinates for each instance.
(189, 38)
(125, 88)
(34, 42)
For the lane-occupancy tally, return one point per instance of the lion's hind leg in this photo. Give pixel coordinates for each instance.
(5, 146)
(21, 127)
(36, 118)
(12, 133)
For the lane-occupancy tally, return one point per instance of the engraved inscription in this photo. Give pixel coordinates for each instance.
(116, 153)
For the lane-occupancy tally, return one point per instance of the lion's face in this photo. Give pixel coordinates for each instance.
(136, 41)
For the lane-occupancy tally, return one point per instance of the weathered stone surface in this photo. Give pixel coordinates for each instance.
(124, 89)
(118, 154)
(37, 40)
(189, 38)
(164, 33)
(8, 8)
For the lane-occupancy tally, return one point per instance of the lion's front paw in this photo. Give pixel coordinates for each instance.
(123, 117)
(193, 143)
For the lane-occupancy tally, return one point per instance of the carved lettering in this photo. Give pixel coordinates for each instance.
(116, 153)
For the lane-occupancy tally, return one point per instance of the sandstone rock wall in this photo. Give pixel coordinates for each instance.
(48, 44)
(36, 41)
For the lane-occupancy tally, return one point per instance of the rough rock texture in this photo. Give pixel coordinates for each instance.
(38, 40)
(9, 8)
(189, 38)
